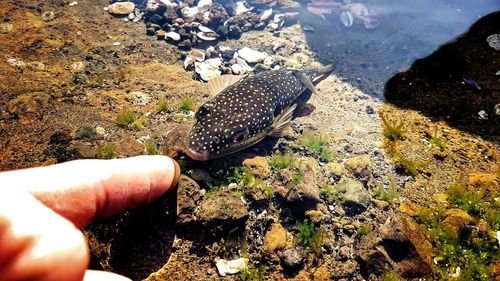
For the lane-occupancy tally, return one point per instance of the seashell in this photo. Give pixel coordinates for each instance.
(188, 13)
(210, 50)
(292, 16)
(266, 14)
(239, 8)
(207, 36)
(494, 41)
(173, 35)
(358, 10)
(204, 5)
(237, 69)
(252, 56)
(197, 54)
(244, 65)
(346, 19)
(188, 61)
(205, 29)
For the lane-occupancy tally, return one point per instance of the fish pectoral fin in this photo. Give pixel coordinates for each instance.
(218, 84)
(304, 80)
(281, 123)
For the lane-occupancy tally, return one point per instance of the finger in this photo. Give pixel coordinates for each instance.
(94, 275)
(84, 190)
(36, 243)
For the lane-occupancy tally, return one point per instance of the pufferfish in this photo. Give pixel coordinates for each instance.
(245, 110)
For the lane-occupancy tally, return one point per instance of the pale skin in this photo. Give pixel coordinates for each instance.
(42, 210)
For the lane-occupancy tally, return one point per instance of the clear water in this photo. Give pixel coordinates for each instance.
(408, 30)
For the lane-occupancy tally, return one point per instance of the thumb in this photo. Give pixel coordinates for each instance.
(36, 243)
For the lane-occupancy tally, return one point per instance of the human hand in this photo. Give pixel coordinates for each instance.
(42, 209)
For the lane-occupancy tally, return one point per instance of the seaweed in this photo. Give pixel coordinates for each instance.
(282, 161)
(437, 142)
(364, 229)
(125, 117)
(310, 236)
(150, 147)
(253, 273)
(392, 132)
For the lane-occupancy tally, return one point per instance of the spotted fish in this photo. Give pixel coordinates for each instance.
(247, 109)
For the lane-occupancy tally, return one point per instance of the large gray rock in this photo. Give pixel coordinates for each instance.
(356, 198)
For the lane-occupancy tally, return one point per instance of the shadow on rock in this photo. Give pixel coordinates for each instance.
(458, 83)
(136, 243)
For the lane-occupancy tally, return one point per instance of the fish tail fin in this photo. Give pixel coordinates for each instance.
(319, 74)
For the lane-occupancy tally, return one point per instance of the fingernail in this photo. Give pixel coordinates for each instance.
(177, 173)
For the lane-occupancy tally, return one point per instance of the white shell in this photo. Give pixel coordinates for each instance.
(346, 19)
(230, 267)
(266, 14)
(252, 56)
(207, 36)
(204, 4)
(239, 8)
(197, 54)
(205, 29)
(173, 35)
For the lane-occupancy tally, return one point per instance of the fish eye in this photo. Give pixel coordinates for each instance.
(216, 139)
(239, 137)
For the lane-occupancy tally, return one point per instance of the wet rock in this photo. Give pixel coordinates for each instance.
(345, 252)
(259, 166)
(208, 69)
(170, 14)
(130, 147)
(455, 220)
(25, 104)
(360, 166)
(223, 210)
(234, 31)
(400, 245)
(86, 133)
(188, 195)
(175, 141)
(484, 179)
(356, 198)
(218, 15)
(316, 216)
(334, 171)
(60, 148)
(275, 238)
(84, 149)
(303, 195)
(121, 8)
(292, 259)
(186, 43)
(288, 5)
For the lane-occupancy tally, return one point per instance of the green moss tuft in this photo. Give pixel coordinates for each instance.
(434, 140)
(310, 236)
(392, 132)
(407, 165)
(163, 106)
(364, 229)
(187, 104)
(282, 161)
(253, 273)
(150, 147)
(125, 117)
(391, 276)
(106, 151)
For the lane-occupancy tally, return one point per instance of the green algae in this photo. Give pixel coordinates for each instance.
(364, 229)
(150, 147)
(253, 273)
(392, 132)
(106, 151)
(187, 104)
(470, 254)
(310, 236)
(163, 106)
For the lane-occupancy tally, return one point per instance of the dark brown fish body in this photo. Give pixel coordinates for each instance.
(246, 111)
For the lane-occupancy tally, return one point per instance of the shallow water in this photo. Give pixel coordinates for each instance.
(408, 30)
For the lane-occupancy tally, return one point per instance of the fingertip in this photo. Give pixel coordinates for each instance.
(177, 174)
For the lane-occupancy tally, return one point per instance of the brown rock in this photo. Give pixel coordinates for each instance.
(224, 209)
(188, 195)
(121, 8)
(360, 166)
(130, 147)
(300, 196)
(400, 245)
(259, 166)
(484, 179)
(275, 238)
(335, 170)
(455, 220)
(25, 104)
